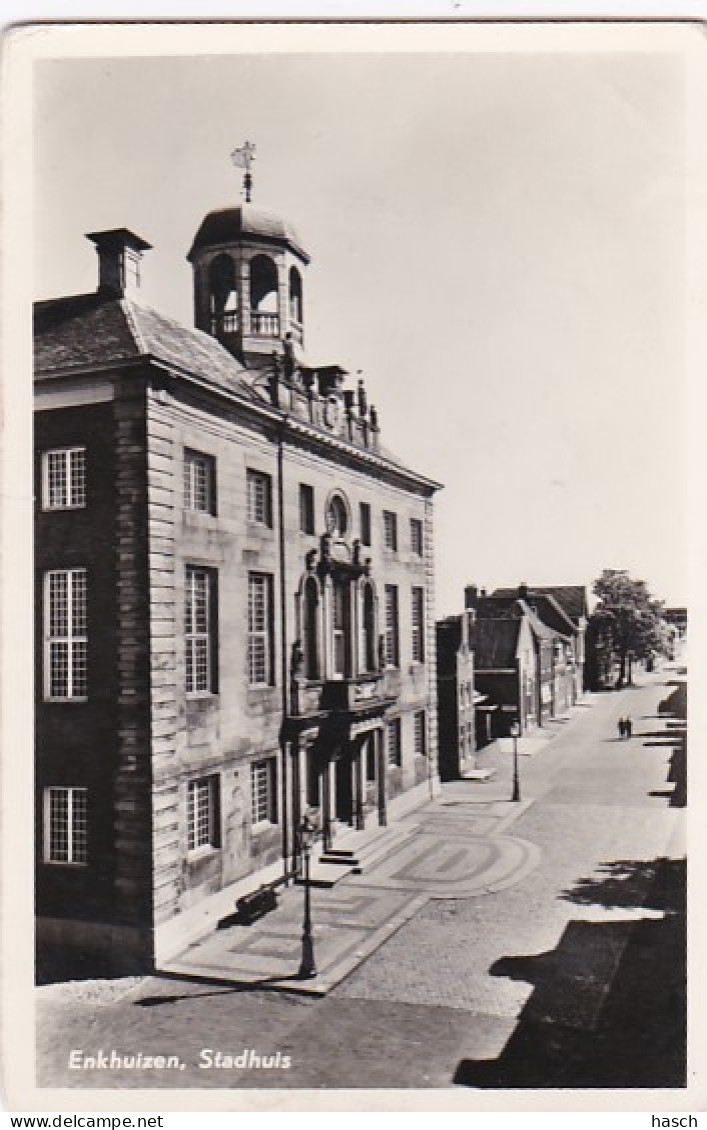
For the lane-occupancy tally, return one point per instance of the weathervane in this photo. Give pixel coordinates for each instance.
(243, 158)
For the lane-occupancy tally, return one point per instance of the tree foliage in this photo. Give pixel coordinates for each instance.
(628, 617)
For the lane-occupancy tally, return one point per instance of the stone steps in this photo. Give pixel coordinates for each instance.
(353, 852)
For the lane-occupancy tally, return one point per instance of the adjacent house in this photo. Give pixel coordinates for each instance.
(548, 684)
(458, 701)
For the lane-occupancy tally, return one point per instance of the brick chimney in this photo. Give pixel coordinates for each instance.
(119, 254)
(471, 596)
(522, 590)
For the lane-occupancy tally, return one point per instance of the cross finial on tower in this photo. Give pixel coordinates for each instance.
(243, 158)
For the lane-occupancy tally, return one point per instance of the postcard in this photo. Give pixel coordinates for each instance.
(351, 435)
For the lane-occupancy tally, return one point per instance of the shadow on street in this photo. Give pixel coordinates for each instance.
(572, 1031)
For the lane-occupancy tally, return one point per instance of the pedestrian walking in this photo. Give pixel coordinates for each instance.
(628, 726)
(621, 727)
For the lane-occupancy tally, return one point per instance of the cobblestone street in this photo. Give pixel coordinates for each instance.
(564, 971)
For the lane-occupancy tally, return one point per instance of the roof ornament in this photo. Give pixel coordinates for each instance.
(243, 158)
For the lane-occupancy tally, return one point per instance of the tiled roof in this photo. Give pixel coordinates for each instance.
(494, 642)
(571, 598)
(538, 625)
(96, 329)
(507, 607)
(92, 329)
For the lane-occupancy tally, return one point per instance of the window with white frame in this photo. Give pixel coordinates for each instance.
(203, 820)
(418, 624)
(416, 536)
(263, 791)
(65, 824)
(391, 637)
(199, 629)
(260, 664)
(259, 489)
(390, 530)
(420, 733)
(65, 632)
(394, 742)
(64, 478)
(199, 482)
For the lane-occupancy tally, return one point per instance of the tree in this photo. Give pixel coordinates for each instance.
(629, 617)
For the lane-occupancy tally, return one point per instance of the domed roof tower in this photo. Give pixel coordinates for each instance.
(248, 291)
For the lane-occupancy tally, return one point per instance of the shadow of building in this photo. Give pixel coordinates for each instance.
(608, 1006)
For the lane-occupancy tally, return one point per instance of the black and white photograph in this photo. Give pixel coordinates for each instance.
(357, 601)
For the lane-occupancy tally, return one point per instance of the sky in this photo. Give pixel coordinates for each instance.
(497, 242)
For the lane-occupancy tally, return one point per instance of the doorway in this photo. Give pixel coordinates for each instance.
(344, 789)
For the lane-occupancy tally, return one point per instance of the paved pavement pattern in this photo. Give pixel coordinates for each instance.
(567, 970)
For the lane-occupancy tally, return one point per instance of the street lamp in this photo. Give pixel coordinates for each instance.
(515, 733)
(307, 835)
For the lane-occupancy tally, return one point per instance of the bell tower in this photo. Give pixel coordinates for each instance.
(248, 269)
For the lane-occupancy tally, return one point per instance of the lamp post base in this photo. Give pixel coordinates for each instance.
(307, 967)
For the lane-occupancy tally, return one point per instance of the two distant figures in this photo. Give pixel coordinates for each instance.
(625, 727)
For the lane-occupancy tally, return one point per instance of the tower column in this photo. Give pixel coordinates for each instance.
(243, 286)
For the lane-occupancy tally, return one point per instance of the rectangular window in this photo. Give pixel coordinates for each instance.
(420, 733)
(392, 644)
(263, 792)
(203, 818)
(259, 488)
(199, 482)
(394, 742)
(371, 759)
(260, 659)
(390, 530)
(365, 515)
(65, 635)
(200, 622)
(64, 479)
(416, 536)
(418, 625)
(306, 508)
(65, 825)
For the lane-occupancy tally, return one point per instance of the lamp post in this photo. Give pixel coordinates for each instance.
(515, 732)
(307, 969)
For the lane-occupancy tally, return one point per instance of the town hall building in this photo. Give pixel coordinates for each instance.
(234, 594)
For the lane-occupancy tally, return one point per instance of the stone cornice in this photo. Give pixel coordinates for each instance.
(289, 426)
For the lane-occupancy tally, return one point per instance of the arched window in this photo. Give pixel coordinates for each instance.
(310, 628)
(295, 296)
(264, 319)
(337, 517)
(368, 623)
(223, 296)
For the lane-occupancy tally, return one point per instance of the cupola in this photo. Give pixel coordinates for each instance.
(248, 266)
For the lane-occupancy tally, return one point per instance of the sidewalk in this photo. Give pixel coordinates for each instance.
(566, 972)
(435, 852)
(455, 847)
